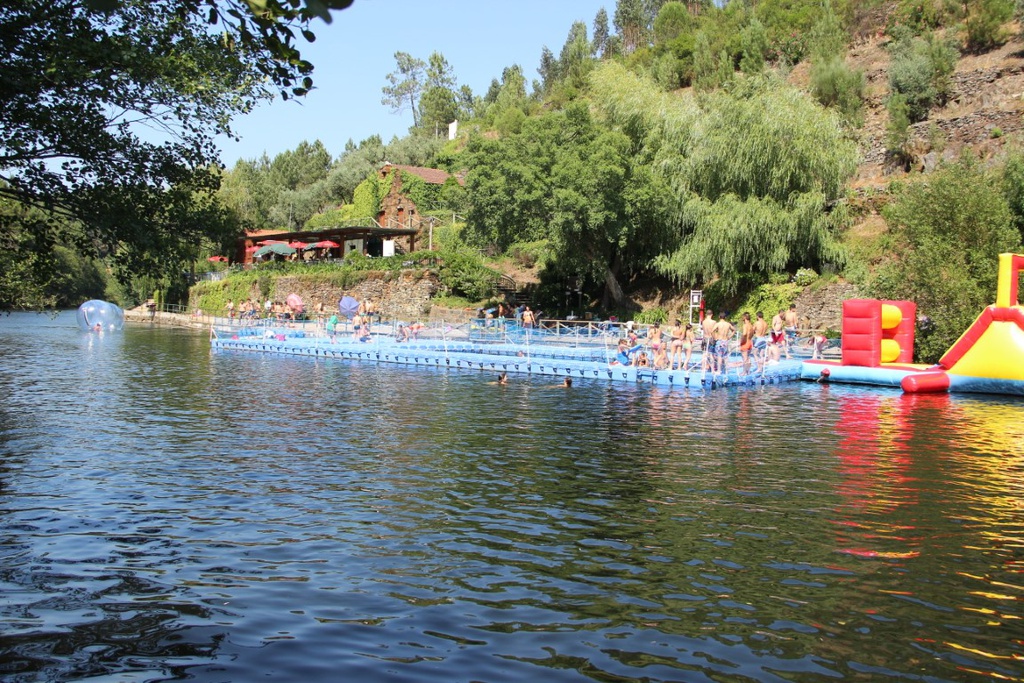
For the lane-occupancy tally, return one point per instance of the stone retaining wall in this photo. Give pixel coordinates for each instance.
(404, 295)
(822, 309)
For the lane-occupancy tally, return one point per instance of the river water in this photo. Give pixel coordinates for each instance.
(172, 513)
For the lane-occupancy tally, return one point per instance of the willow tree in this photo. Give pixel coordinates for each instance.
(757, 182)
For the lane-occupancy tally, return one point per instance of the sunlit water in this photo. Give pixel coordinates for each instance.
(168, 512)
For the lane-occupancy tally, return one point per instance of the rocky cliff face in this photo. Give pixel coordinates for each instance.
(983, 110)
(822, 308)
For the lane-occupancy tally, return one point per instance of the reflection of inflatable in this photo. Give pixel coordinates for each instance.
(988, 357)
(106, 315)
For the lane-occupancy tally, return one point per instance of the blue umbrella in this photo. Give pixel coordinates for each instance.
(348, 306)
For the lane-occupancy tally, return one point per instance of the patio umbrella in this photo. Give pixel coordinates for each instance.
(297, 245)
(274, 248)
(250, 249)
(326, 244)
(348, 306)
(218, 259)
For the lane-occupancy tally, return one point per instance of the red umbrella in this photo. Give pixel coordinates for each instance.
(221, 259)
(250, 249)
(327, 244)
(297, 245)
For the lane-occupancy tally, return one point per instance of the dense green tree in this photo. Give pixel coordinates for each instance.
(754, 46)
(897, 128)
(109, 118)
(507, 100)
(705, 64)
(789, 25)
(575, 60)
(405, 85)
(673, 20)
(26, 267)
(247, 192)
(945, 236)
(439, 104)
(601, 33)
(569, 180)
(827, 37)
(278, 193)
(293, 208)
(353, 166)
(631, 24)
(415, 150)
(548, 70)
(306, 165)
(1013, 187)
(76, 279)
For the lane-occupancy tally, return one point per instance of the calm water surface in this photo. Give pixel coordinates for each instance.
(171, 513)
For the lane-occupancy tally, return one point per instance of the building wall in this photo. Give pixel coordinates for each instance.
(398, 211)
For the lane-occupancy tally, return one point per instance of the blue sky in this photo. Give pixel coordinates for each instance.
(354, 54)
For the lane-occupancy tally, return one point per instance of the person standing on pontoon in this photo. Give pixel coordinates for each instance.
(791, 319)
(654, 338)
(332, 325)
(689, 341)
(760, 340)
(746, 342)
(675, 355)
(722, 334)
(778, 338)
(529, 319)
(707, 326)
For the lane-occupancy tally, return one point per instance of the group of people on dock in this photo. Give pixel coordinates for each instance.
(759, 343)
(522, 314)
(251, 309)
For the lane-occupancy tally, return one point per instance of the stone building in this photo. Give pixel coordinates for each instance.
(397, 209)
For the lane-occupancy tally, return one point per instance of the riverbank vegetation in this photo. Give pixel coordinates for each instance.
(739, 149)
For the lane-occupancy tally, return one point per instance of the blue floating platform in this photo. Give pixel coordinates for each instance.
(581, 362)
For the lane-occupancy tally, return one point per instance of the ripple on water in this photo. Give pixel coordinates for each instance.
(225, 516)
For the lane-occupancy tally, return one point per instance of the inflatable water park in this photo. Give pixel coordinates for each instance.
(878, 346)
(876, 349)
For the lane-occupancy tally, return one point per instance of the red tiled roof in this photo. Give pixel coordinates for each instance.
(433, 176)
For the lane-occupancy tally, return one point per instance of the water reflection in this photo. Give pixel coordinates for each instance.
(168, 512)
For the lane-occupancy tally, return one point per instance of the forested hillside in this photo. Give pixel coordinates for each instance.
(750, 149)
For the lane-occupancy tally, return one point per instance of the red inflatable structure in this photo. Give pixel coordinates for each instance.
(877, 332)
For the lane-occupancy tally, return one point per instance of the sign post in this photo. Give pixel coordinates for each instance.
(696, 302)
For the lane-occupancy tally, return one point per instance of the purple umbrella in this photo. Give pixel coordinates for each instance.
(348, 306)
